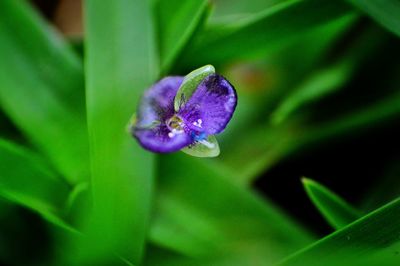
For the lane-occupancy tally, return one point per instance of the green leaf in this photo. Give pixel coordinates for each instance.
(190, 84)
(204, 148)
(25, 179)
(41, 88)
(386, 12)
(177, 21)
(371, 239)
(233, 11)
(258, 33)
(331, 78)
(322, 83)
(335, 210)
(201, 213)
(120, 63)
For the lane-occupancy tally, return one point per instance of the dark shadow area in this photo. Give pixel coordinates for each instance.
(349, 166)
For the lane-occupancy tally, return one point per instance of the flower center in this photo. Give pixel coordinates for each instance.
(175, 124)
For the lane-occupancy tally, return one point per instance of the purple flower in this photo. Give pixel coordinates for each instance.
(165, 124)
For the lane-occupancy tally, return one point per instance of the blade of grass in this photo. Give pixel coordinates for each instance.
(120, 63)
(201, 213)
(374, 235)
(333, 208)
(261, 32)
(231, 11)
(177, 21)
(386, 12)
(41, 88)
(322, 83)
(26, 180)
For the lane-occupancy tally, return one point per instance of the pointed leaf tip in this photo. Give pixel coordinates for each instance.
(333, 208)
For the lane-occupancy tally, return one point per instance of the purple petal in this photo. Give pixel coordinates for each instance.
(158, 140)
(155, 108)
(211, 106)
(157, 103)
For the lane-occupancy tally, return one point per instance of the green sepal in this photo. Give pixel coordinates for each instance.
(190, 83)
(205, 148)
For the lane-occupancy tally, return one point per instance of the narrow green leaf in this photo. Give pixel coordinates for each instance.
(190, 84)
(335, 210)
(27, 181)
(233, 11)
(201, 213)
(260, 32)
(205, 148)
(374, 236)
(41, 88)
(122, 172)
(386, 12)
(331, 78)
(318, 85)
(177, 21)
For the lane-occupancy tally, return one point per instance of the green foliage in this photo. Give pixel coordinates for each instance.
(27, 181)
(200, 213)
(41, 87)
(266, 143)
(384, 12)
(324, 82)
(336, 211)
(271, 141)
(177, 21)
(122, 172)
(372, 239)
(297, 66)
(247, 36)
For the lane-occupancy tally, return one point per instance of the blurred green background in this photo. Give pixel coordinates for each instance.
(309, 167)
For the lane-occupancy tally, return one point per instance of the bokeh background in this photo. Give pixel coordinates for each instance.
(307, 163)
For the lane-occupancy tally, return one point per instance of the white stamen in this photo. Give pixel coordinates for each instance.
(198, 123)
(174, 132)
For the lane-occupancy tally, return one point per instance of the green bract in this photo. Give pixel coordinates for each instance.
(190, 83)
(207, 148)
